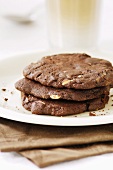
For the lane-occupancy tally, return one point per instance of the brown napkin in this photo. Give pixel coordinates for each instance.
(47, 145)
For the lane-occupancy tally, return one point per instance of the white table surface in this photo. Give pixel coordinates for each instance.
(18, 39)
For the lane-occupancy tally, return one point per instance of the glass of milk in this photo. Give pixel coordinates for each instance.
(73, 23)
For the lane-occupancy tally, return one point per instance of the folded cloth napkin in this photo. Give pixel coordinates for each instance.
(47, 145)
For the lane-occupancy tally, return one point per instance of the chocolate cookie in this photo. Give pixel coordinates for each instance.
(61, 107)
(78, 71)
(36, 89)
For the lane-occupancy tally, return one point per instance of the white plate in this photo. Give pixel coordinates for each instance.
(11, 71)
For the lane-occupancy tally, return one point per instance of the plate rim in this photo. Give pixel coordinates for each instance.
(55, 121)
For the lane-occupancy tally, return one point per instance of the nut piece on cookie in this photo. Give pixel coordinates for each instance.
(66, 81)
(53, 96)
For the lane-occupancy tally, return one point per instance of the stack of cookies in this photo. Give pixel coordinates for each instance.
(66, 84)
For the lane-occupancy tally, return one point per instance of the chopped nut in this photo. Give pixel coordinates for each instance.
(79, 76)
(66, 81)
(26, 100)
(41, 102)
(104, 73)
(55, 96)
(98, 79)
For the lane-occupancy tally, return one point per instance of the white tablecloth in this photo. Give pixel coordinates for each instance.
(14, 161)
(18, 38)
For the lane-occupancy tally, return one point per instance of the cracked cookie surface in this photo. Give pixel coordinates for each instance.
(77, 70)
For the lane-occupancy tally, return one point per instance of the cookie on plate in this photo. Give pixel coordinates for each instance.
(78, 71)
(45, 92)
(61, 107)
